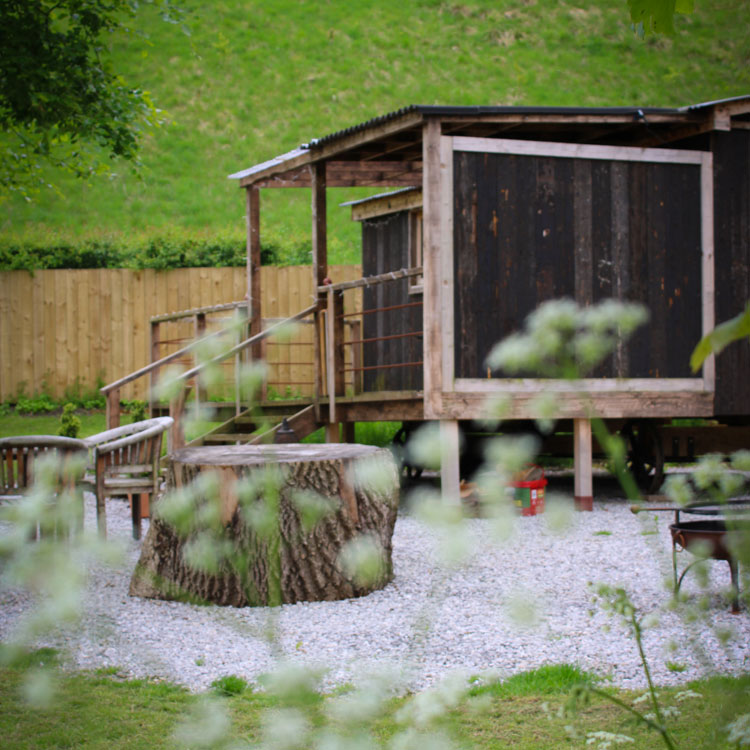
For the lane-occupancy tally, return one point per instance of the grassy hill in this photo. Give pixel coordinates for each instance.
(254, 79)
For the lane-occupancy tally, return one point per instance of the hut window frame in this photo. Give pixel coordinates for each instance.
(416, 283)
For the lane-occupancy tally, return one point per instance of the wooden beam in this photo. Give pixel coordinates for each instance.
(253, 266)
(577, 150)
(583, 487)
(334, 147)
(387, 205)
(382, 278)
(535, 386)
(431, 227)
(192, 312)
(447, 343)
(707, 271)
(319, 224)
(450, 475)
(581, 405)
(352, 174)
(320, 271)
(154, 376)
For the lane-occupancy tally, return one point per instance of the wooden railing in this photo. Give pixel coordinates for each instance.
(177, 404)
(330, 323)
(334, 339)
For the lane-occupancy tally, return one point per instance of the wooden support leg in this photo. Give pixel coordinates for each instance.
(113, 409)
(333, 432)
(582, 459)
(349, 436)
(135, 513)
(449, 462)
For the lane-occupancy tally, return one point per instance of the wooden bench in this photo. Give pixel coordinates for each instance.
(18, 456)
(125, 463)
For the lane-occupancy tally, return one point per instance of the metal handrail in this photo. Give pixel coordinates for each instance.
(147, 369)
(247, 342)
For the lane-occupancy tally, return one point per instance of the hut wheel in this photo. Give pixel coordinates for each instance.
(645, 454)
(399, 447)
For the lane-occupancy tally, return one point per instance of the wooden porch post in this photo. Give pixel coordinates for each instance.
(320, 272)
(583, 491)
(432, 312)
(154, 376)
(199, 330)
(253, 266)
(113, 409)
(450, 476)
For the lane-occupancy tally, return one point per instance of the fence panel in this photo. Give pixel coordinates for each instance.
(62, 327)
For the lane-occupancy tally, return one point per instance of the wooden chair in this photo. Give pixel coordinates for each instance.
(17, 458)
(125, 463)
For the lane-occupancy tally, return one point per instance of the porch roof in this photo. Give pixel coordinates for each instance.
(387, 150)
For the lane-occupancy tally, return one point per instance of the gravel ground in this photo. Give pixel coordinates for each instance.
(515, 605)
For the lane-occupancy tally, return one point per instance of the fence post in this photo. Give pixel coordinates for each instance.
(113, 409)
(154, 376)
(199, 330)
(176, 439)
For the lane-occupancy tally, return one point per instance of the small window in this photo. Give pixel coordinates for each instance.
(416, 283)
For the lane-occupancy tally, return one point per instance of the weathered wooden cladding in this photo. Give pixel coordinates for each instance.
(385, 247)
(534, 228)
(732, 267)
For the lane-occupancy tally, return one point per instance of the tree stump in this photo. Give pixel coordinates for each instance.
(267, 524)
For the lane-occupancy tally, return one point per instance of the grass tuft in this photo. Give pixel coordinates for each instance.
(551, 679)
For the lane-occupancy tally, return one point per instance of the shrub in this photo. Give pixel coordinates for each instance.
(70, 425)
(137, 410)
(229, 685)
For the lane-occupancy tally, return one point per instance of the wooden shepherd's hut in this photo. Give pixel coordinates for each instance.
(493, 210)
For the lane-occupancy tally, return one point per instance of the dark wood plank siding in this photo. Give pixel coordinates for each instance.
(385, 247)
(530, 229)
(732, 263)
(512, 221)
(647, 249)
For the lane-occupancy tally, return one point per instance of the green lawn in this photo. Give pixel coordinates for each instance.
(368, 433)
(48, 424)
(101, 710)
(254, 79)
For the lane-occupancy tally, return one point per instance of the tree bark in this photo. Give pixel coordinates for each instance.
(283, 561)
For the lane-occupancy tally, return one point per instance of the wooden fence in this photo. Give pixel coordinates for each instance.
(62, 327)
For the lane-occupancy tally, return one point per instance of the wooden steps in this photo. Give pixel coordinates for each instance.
(259, 425)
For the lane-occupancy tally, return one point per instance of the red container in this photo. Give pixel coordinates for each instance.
(528, 495)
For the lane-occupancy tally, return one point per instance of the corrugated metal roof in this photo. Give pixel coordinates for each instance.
(270, 163)
(703, 105)
(467, 111)
(438, 110)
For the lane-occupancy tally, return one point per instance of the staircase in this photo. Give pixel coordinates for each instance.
(259, 424)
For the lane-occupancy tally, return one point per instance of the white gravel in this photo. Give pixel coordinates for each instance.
(472, 612)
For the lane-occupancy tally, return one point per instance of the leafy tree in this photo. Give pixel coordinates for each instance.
(61, 104)
(657, 16)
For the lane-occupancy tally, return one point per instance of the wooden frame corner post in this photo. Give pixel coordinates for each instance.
(450, 471)
(583, 490)
(253, 293)
(434, 204)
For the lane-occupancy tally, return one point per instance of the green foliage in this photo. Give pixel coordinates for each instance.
(351, 64)
(657, 16)
(551, 679)
(229, 685)
(159, 253)
(70, 425)
(726, 333)
(81, 397)
(138, 410)
(85, 397)
(61, 102)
